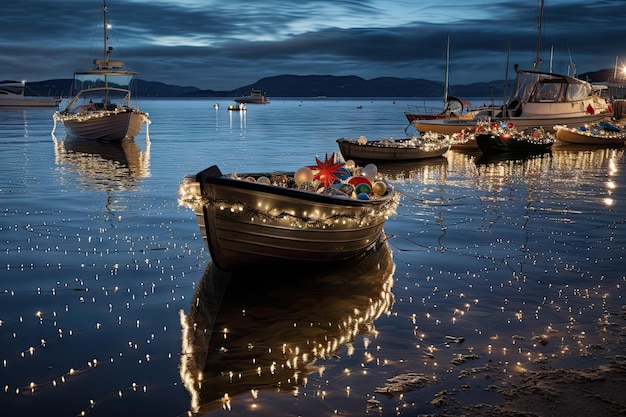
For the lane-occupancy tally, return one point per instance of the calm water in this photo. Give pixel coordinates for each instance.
(491, 267)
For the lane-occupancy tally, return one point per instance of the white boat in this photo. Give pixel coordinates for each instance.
(101, 107)
(538, 99)
(12, 94)
(255, 96)
(547, 99)
(315, 217)
(414, 148)
(602, 133)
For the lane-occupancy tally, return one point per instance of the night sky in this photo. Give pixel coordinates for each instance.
(227, 44)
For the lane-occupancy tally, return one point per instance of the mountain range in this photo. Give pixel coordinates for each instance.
(314, 86)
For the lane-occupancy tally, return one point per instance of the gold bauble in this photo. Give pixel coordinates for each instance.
(379, 188)
(302, 175)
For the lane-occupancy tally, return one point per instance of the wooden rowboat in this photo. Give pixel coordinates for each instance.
(502, 137)
(286, 219)
(602, 133)
(393, 150)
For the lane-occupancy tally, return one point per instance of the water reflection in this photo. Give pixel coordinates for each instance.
(14, 122)
(241, 115)
(243, 334)
(104, 166)
(424, 171)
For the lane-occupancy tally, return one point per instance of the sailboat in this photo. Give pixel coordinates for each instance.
(538, 99)
(101, 108)
(453, 107)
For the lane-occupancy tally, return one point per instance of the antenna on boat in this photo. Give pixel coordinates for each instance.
(506, 76)
(571, 62)
(107, 51)
(538, 57)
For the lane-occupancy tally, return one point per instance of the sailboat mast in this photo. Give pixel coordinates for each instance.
(106, 53)
(538, 58)
(445, 90)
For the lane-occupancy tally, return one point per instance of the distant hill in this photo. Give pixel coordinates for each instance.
(314, 86)
(349, 86)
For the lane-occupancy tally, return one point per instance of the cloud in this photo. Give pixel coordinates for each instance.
(225, 45)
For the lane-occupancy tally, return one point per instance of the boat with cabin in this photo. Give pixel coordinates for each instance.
(13, 94)
(101, 107)
(255, 96)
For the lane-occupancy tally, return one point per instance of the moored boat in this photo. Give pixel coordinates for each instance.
(101, 107)
(548, 99)
(602, 133)
(12, 94)
(316, 216)
(538, 99)
(255, 96)
(454, 109)
(393, 150)
(505, 137)
(237, 107)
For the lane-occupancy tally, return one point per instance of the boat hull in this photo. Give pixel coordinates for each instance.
(444, 126)
(571, 135)
(390, 150)
(246, 224)
(104, 125)
(251, 100)
(491, 143)
(26, 102)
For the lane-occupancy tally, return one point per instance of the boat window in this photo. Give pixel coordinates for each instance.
(548, 92)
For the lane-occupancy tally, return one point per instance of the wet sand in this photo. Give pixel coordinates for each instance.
(564, 392)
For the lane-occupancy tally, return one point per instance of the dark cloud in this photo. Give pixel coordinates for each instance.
(224, 45)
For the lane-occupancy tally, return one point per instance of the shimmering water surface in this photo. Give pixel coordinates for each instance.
(109, 304)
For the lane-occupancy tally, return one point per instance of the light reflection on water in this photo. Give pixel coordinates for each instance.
(500, 265)
(242, 338)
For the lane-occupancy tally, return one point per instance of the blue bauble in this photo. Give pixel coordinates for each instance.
(343, 173)
(363, 196)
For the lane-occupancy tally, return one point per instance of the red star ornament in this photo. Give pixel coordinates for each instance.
(327, 171)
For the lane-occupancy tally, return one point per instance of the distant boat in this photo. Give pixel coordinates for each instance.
(602, 133)
(12, 95)
(505, 138)
(255, 96)
(101, 108)
(392, 150)
(281, 220)
(237, 107)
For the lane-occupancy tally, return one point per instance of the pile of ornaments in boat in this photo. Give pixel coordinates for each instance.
(342, 180)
